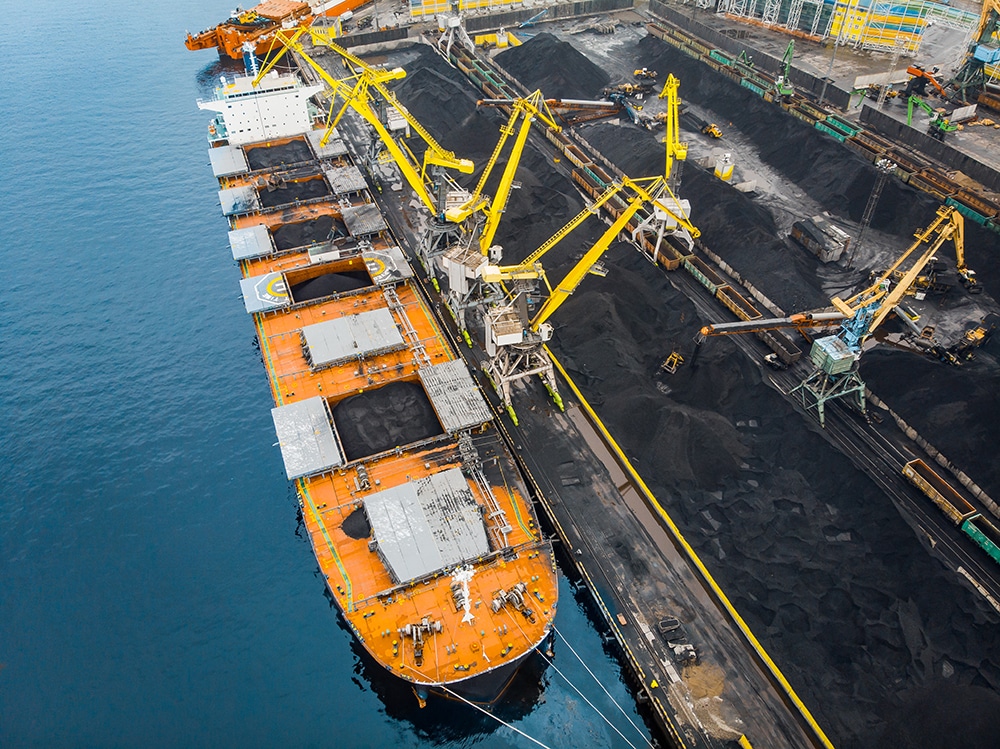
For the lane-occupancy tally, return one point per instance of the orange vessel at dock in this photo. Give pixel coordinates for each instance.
(417, 512)
(258, 24)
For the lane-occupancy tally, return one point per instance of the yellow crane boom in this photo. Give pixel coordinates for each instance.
(573, 279)
(947, 225)
(676, 150)
(526, 109)
(355, 91)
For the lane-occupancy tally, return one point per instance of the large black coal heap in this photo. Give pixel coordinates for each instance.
(555, 67)
(377, 420)
(289, 192)
(300, 233)
(330, 283)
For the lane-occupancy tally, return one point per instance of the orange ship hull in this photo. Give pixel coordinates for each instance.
(258, 25)
(447, 620)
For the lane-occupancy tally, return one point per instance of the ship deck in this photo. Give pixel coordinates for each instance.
(417, 514)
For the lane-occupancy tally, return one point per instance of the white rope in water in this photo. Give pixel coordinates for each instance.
(483, 710)
(581, 694)
(594, 676)
(592, 705)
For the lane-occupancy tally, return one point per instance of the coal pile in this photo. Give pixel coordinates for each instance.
(329, 284)
(301, 233)
(290, 192)
(956, 408)
(555, 67)
(383, 419)
(442, 100)
(736, 228)
(841, 590)
(265, 157)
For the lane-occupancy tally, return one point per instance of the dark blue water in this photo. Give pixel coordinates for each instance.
(156, 588)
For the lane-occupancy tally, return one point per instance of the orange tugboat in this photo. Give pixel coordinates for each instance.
(258, 24)
(416, 510)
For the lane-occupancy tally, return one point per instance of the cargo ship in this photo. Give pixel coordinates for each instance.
(419, 517)
(258, 24)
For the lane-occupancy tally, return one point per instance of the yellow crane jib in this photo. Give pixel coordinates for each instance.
(356, 93)
(676, 149)
(947, 225)
(531, 267)
(573, 279)
(527, 110)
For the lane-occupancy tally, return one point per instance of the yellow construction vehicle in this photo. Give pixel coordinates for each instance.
(646, 73)
(527, 110)
(712, 129)
(355, 91)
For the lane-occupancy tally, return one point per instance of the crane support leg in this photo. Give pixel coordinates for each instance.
(818, 388)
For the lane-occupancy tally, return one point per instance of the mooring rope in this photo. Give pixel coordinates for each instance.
(594, 677)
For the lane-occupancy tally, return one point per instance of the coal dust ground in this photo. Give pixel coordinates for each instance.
(845, 596)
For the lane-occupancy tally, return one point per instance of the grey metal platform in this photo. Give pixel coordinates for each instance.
(427, 525)
(335, 341)
(305, 434)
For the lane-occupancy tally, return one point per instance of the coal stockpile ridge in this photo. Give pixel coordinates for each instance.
(827, 171)
(383, 419)
(555, 67)
(293, 152)
(814, 555)
(955, 408)
(290, 192)
(444, 101)
(732, 224)
(329, 284)
(319, 229)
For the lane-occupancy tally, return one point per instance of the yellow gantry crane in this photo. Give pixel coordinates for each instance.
(676, 149)
(527, 110)
(356, 93)
(516, 345)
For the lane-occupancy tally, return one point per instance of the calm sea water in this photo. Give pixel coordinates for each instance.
(156, 588)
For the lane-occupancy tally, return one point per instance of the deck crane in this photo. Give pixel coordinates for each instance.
(356, 93)
(676, 149)
(970, 79)
(527, 110)
(516, 344)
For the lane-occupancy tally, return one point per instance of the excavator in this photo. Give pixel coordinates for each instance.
(515, 342)
(938, 126)
(917, 85)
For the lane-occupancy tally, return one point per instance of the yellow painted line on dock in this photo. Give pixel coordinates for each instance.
(696, 561)
(304, 493)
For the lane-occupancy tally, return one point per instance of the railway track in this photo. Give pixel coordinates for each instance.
(872, 449)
